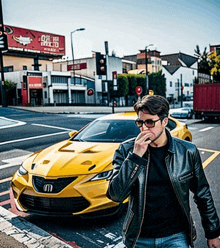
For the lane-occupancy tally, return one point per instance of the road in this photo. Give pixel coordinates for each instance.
(33, 131)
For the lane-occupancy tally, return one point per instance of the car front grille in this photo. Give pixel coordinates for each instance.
(43, 185)
(53, 205)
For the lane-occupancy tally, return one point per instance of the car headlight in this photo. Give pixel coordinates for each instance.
(22, 171)
(103, 175)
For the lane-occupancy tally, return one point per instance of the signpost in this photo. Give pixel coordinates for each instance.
(138, 91)
(3, 46)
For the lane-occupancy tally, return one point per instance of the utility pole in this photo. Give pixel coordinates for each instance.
(182, 87)
(107, 66)
(146, 63)
(4, 46)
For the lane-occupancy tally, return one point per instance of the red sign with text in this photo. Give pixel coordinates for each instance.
(26, 40)
(35, 83)
(77, 67)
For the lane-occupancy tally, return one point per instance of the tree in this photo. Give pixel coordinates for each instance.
(132, 83)
(214, 64)
(141, 81)
(157, 83)
(122, 87)
(203, 63)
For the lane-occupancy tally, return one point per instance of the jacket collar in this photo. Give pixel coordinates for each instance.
(170, 141)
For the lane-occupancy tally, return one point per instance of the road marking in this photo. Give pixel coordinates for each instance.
(119, 245)
(30, 138)
(205, 129)
(5, 180)
(7, 123)
(42, 125)
(210, 158)
(4, 193)
(13, 161)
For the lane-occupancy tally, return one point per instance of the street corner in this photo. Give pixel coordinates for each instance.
(7, 123)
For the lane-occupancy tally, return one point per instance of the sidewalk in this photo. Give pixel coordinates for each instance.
(16, 232)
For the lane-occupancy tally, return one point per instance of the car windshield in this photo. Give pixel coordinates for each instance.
(108, 131)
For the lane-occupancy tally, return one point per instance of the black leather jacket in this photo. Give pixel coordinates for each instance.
(186, 174)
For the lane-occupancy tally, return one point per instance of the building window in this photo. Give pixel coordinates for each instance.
(59, 80)
(171, 84)
(142, 61)
(24, 68)
(186, 85)
(9, 68)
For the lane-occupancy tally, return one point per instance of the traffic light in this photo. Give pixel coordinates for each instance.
(3, 42)
(90, 92)
(100, 64)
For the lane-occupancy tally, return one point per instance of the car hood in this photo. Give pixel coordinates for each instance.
(73, 158)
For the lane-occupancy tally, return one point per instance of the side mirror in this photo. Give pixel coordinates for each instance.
(73, 133)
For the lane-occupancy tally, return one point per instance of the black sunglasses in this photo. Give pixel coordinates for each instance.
(148, 123)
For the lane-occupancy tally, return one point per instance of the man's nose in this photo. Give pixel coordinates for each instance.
(143, 128)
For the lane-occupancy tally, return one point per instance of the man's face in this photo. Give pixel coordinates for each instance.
(159, 125)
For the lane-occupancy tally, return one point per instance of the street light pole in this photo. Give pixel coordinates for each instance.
(146, 61)
(71, 36)
(2, 86)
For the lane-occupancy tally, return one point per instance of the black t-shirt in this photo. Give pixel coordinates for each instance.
(163, 213)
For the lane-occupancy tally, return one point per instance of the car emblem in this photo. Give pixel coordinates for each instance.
(48, 188)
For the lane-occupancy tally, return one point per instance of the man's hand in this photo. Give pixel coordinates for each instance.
(213, 243)
(141, 143)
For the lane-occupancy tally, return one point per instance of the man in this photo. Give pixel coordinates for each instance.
(157, 172)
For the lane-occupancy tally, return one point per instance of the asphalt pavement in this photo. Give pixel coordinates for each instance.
(15, 231)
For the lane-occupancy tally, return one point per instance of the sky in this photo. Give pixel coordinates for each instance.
(171, 26)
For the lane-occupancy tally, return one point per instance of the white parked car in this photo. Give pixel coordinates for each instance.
(185, 112)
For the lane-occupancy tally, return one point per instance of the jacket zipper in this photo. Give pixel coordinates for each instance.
(180, 202)
(145, 190)
(186, 176)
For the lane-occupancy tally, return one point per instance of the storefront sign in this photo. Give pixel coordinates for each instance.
(35, 83)
(26, 40)
(76, 67)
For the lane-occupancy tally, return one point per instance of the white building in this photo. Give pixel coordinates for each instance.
(180, 70)
(85, 68)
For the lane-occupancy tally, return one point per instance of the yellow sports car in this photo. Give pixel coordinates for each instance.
(71, 177)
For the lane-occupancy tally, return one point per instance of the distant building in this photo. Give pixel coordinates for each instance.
(180, 70)
(153, 62)
(214, 48)
(86, 67)
(34, 62)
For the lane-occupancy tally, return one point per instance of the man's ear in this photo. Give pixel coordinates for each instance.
(165, 121)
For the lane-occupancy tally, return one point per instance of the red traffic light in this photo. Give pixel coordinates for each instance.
(182, 87)
(100, 64)
(90, 92)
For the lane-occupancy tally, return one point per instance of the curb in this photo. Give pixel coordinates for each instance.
(27, 233)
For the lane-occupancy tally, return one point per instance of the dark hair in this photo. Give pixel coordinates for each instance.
(154, 105)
